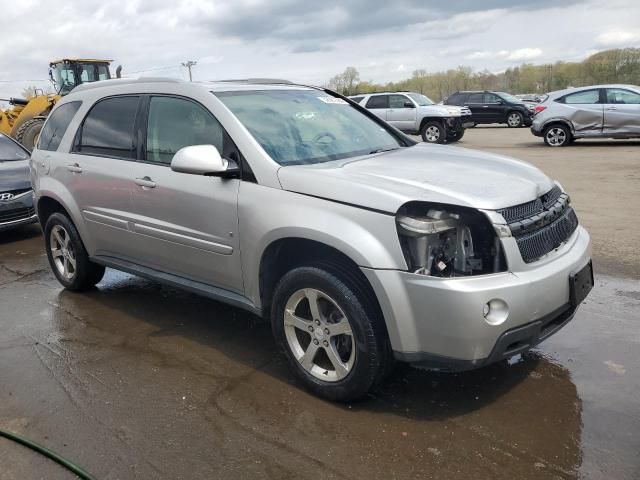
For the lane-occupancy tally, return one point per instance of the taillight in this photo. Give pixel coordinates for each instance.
(538, 109)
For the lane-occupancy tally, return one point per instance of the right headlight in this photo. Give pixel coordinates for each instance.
(448, 241)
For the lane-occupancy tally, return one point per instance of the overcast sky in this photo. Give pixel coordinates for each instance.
(306, 41)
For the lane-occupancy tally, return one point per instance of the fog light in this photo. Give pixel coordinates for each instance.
(495, 311)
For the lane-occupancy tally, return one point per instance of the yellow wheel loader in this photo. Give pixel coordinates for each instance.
(25, 118)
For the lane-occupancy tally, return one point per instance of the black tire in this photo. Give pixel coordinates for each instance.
(433, 132)
(557, 135)
(86, 274)
(28, 133)
(515, 119)
(373, 357)
(455, 136)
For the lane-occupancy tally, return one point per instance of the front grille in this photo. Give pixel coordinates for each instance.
(17, 192)
(16, 214)
(542, 225)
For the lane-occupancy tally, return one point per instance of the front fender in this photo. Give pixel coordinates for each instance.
(266, 215)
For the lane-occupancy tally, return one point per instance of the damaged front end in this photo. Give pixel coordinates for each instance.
(448, 241)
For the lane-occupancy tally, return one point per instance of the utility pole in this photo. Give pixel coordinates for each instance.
(189, 64)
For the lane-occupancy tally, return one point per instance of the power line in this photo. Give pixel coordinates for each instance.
(189, 64)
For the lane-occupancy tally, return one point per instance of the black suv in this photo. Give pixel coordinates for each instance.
(493, 107)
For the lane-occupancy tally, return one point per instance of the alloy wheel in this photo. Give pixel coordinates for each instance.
(62, 252)
(514, 120)
(319, 335)
(432, 133)
(556, 136)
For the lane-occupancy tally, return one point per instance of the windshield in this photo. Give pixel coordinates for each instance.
(421, 100)
(298, 127)
(509, 98)
(10, 151)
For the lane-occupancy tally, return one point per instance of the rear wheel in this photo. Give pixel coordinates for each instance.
(29, 132)
(330, 333)
(557, 136)
(67, 256)
(433, 132)
(514, 119)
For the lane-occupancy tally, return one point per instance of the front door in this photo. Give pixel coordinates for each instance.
(621, 112)
(402, 112)
(185, 224)
(494, 108)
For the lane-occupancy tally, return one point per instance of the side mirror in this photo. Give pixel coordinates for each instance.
(203, 160)
(500, 102)
(409, 104)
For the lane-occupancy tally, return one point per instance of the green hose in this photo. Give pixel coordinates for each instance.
(49, 454)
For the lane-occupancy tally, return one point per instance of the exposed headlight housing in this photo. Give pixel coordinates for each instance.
(448, 241)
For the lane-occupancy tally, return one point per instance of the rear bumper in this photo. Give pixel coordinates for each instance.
(441, 323)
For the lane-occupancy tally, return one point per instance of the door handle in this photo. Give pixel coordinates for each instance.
(75, 168)
(485, 106)
(145, 182)
(612, 108)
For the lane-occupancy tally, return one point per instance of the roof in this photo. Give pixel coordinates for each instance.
(589, 87)
(93, 60)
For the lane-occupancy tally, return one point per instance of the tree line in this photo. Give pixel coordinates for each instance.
(609, 66)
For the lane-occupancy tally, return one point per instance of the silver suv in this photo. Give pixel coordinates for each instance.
(417, 114)
(358, 244)
(600, 111)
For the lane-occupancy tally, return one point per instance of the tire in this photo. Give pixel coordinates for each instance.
(557, 136)
(28, 133)
(433, 132)
(64, 247)
(363, 356)
(455, 136)
(515, 119)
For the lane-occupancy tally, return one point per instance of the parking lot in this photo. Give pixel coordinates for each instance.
(137, 380)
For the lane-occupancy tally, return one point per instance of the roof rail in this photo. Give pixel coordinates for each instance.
(124, 81)
(275, 81)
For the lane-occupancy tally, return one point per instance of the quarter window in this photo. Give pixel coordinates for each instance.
(57, 125)
(586, 97)
(619, 96)
(378, 101)
(108, 128)
(175, 123)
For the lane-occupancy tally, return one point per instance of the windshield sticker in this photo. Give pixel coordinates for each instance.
(333, 100)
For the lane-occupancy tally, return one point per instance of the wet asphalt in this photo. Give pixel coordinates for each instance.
(137, 380)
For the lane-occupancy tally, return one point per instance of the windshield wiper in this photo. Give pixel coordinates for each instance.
(380, 150)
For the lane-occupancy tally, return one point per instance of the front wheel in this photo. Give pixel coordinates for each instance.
(433, 132)
(557, 136)
(330, 333)
(67, 256)
(515, 120)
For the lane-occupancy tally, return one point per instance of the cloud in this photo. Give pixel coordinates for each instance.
(618, 38)
(518, 55)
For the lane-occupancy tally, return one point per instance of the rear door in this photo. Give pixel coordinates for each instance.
(400, 114)
(378, 104)
(185, 224)
(97, 173)
(475, 102)
(621, 112)
(585, 111)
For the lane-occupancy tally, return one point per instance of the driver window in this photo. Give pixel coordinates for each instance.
(491, 98)
(398, 101)
(174, 123)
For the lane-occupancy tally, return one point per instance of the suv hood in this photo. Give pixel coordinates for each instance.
(14, 175)
(424, 172)
(440, 110)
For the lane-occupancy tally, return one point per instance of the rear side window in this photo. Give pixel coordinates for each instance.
(57, 125)
(378, 101)
(455, 99)
(174, 123)
(476, 98)
(108, 128)
(586, 97)
(356, 99)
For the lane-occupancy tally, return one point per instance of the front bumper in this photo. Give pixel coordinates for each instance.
(439, 322)
(17, 212)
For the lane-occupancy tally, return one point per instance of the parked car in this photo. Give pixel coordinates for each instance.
(417, 114)
(360, 245)
(493, 107)
(599, 111)
(16, 196)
